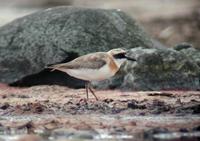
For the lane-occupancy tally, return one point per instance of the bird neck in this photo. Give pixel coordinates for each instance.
(119, 62)
(112, 64)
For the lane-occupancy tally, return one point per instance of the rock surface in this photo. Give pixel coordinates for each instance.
(157, 69)
(28, 44)
(189, 51)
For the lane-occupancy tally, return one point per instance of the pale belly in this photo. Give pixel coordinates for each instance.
(91, 74)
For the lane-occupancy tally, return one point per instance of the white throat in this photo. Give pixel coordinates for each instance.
(119, 62)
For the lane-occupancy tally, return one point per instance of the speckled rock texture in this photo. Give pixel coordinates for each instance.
(189, 51)
(156, 69)
(29, 43)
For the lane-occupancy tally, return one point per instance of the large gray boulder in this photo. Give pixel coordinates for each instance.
(156, 69)
(29, 43)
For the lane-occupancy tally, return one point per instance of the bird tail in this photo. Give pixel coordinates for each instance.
(51, 68)
(54, 67)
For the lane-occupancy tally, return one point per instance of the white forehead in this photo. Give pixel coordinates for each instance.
(116, 51)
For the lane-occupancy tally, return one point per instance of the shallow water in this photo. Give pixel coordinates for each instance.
(13, 134)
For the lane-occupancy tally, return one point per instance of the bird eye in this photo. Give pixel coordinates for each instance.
(119, 56)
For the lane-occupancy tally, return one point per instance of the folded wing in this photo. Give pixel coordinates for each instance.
(90, 61)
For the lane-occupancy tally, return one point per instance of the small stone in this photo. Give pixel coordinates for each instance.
(197, 128)
(196, 109)
(23, 96)
(150, 133)
(184, 130)
(4, 106)
(4, 96)
(108, 100)
(132, 105)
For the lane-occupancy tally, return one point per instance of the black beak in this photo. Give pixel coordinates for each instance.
(129, 58)
(123, 56)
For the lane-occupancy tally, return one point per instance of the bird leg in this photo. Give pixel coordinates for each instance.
(89, 87)
(86, 88)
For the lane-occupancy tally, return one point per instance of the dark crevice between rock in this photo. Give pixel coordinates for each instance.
(48, 77)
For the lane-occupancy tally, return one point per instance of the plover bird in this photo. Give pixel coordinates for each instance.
(94, 66)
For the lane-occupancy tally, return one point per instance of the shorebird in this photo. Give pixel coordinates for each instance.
(94, 66)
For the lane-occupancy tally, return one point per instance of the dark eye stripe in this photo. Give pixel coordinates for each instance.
(119, 56)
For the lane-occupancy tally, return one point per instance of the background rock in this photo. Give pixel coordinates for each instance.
(189, 51)
(156, 69)
(28, 44)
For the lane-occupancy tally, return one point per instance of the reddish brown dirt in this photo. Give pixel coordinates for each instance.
(52, 99)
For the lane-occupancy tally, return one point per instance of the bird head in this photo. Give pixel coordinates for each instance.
(119, 55)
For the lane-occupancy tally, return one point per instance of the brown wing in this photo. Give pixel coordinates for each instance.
(92, 61)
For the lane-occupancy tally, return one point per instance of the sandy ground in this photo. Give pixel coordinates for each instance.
(57, 111)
